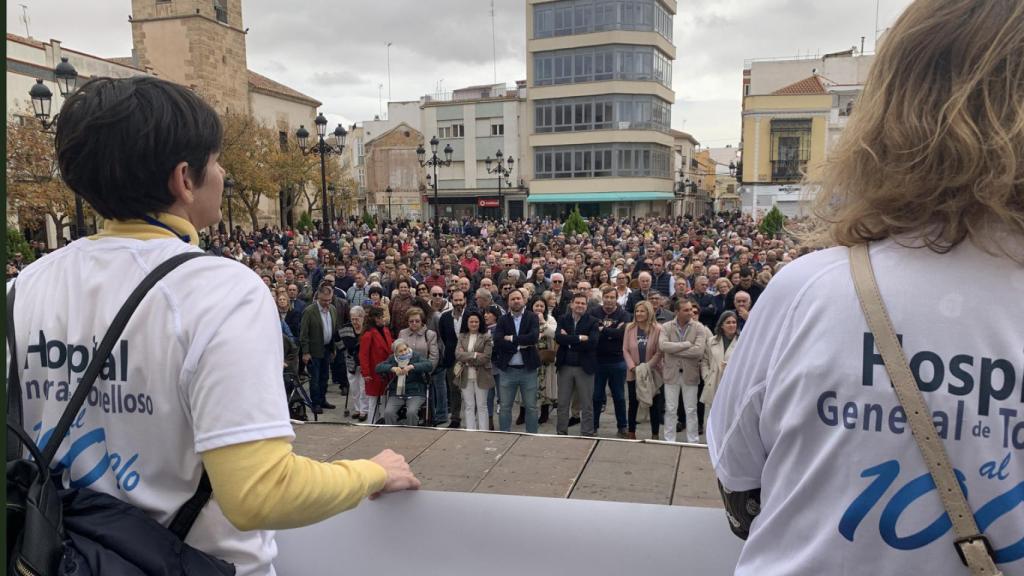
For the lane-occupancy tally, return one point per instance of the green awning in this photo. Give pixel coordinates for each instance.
(597, 197)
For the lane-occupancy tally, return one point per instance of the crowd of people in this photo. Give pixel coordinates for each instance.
(503, 314)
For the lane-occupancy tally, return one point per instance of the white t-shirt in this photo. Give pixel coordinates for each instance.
(806, 411)
(198, 367)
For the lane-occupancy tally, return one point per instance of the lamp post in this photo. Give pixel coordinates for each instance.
(42, 99)
(322, 149)
(390, 192)
(229, 193)
(434, 162)
(332, 192)
(503, 169)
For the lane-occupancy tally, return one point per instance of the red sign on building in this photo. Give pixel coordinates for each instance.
(487, 203)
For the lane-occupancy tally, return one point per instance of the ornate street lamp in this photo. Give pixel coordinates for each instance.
(42, 101)
(229, 193)
(322, 149)
(434, 162)
(503, 169)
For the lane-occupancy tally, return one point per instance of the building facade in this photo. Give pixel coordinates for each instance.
(598, 106)
(793, 112)
(390, 162)
(476, 122)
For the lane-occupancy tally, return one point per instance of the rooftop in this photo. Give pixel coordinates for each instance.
(813, 85)
(261, 83)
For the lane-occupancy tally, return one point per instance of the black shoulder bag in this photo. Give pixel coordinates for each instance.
(79, 532)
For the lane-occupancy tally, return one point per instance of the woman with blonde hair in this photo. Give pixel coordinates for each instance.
(925, 190)
(640, 346)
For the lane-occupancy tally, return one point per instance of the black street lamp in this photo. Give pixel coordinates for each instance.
(42, 100)
(434, 162)
(390, 192)
(504, 171)
(229, 193)
(322, 149)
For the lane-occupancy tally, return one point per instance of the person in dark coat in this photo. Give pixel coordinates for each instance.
(611, 364)
(448, 328)
(515, 355)
(576, 336)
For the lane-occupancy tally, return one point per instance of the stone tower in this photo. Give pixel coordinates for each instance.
(198, 43)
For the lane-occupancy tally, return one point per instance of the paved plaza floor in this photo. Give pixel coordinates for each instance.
(526, 465)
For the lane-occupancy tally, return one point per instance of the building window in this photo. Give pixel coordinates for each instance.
(602, 161)
(619, 112)
(598, 63)
(584, 16)
(791, 149)
(220, 11)
(497, 129)
(451, 131)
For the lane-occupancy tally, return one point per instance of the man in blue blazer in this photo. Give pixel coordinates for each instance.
(515, 355)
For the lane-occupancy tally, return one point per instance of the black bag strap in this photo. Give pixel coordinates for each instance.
(106, 347)
(189, 511)
(14, 411)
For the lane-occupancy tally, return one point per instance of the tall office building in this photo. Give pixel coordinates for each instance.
(599, 101)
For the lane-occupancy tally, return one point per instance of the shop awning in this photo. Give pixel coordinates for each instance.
(609, 197)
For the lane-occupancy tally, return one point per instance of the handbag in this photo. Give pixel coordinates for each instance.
(52, 530)
(972, 546)
(547, 357)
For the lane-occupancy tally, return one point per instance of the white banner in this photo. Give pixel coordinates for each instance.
(456, 534)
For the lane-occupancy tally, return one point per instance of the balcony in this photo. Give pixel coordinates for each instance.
(788, 171)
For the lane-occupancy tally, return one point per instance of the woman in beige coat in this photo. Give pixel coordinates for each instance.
(716, 356)
(473, 369)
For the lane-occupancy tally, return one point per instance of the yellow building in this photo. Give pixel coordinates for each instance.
(598, 110)
(783, 133)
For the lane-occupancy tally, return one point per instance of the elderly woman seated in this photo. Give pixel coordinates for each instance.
(410, 374)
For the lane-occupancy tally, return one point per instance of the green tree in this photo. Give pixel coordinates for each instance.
(773, 222)
(34, 188)
(250, 154)
(305, 223)
(575, 224)
(16, 243)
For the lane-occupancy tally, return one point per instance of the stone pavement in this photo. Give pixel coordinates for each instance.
(526, 465)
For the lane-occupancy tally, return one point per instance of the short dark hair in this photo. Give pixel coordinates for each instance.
(119, 139)
(583, 296)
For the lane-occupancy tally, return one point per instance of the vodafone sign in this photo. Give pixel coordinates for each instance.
(487, 203)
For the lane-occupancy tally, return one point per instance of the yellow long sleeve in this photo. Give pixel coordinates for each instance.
(265, 486)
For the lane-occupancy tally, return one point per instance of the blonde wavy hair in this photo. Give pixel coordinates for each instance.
(935, 147)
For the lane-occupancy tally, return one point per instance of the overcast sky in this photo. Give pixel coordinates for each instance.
(336, 50)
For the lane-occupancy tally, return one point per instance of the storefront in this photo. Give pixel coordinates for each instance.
(619, 205)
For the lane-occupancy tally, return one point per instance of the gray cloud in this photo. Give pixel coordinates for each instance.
(335, 50)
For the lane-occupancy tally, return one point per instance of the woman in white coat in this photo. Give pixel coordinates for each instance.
(716, 356)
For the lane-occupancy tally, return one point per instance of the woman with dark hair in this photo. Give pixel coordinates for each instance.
(473, 369)
(374, 348)
(547, 378)
(205, 344)
(717, 355)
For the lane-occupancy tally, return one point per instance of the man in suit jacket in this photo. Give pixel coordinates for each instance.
(577, 336)
(515, 355)
(317, 344)
(448, 328)
(641, 293)
(682, 343)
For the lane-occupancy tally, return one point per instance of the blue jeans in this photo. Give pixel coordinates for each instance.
(491, 394)
(614, 376)
(525, 381)
(319, 371)
(439, 397)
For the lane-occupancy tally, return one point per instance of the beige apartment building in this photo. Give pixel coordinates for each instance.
(598, 107)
